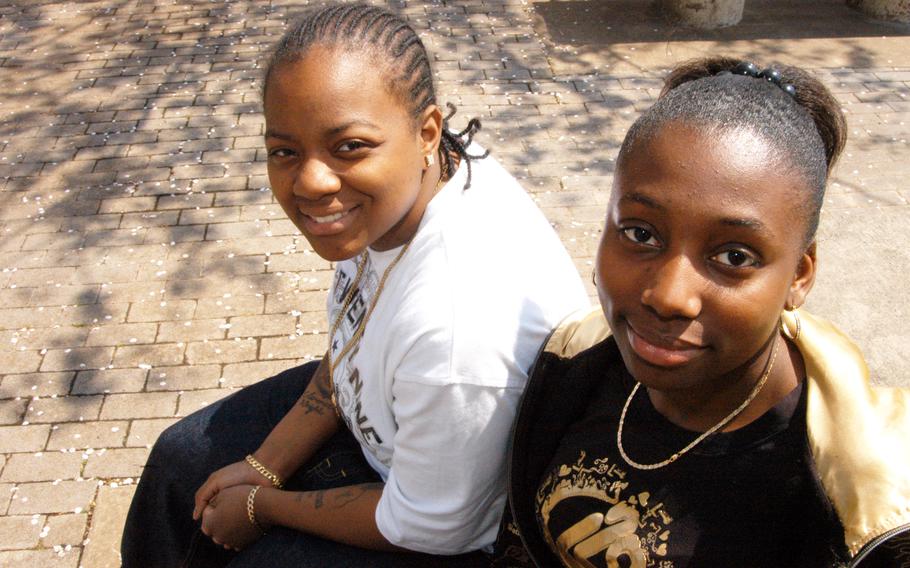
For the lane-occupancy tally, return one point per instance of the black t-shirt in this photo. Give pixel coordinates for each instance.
(740, 499)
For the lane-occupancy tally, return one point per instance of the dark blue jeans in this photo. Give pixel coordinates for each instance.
(160, 531)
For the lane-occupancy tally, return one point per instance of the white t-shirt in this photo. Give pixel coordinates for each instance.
(432, 387)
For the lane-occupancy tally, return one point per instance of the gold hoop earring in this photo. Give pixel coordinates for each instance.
(428, 160)
(792, 336)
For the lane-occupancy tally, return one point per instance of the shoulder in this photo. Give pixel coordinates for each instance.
(577, 333)
(493, 239)
(844, 415)
(576, 356)
(494, 193)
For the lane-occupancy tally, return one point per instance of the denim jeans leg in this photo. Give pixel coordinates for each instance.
(286, 548)
(159, 526)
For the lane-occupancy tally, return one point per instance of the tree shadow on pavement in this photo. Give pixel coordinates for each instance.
(133, 180)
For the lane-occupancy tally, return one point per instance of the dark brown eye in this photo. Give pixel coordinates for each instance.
(640, 235)
(351, 146)
(736, 258)
(280, 153)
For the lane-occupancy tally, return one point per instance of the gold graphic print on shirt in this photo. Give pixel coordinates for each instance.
(625, 525)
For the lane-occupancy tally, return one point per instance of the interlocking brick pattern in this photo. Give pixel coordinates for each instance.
(147, 271)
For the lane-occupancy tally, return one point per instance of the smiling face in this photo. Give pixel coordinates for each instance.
(703, 247)
(345, 159)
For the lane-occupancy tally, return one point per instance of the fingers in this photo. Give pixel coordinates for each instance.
(199, 501)
(208, 530)
(198, 507)
(204, 526)
(225, 546)
(203, 495)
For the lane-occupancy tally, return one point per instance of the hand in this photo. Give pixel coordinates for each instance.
(238, 473)
(225, 518)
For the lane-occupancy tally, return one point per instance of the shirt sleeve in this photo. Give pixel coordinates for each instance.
(446, 489)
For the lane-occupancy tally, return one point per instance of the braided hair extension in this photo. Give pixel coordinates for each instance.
(378, 32)
(455, 144)
(806, 128)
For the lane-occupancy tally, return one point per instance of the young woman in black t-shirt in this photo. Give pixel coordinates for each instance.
(718, 426)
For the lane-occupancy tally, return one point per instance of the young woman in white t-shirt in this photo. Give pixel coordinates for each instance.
(391, 450)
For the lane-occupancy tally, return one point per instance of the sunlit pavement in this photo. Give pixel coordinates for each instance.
(146, 270)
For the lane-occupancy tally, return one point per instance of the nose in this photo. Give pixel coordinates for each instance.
(314, 179)
(674, 290)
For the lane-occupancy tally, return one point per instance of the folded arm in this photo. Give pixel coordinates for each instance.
(302, 431)
(344, 514)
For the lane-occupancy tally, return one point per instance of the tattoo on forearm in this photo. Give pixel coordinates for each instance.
(315, 403)
(318, 396)
(347, 496)
(340, 497)
(323, 385)
(318, 499)
(354, 492)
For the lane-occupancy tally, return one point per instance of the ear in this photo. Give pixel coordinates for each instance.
(430, 130)
(803, 279)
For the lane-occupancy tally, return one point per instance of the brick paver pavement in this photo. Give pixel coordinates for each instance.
(146, 270)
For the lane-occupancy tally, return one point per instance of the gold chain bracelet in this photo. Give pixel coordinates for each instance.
(266, 472)
(251, 508)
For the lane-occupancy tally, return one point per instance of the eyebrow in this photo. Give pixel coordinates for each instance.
(746, 222)
(334, 131)
(753, 224)
(276, 134)
(355, 122)
(644, 200)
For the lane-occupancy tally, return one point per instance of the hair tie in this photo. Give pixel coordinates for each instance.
(772, 75)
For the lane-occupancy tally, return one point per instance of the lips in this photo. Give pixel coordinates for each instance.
(327, 218)
(662, 350)
(327, 223)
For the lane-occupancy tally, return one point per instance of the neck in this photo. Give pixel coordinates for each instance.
(699, 411)
(406, 228)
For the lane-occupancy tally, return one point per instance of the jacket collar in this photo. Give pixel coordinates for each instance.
(857, 433)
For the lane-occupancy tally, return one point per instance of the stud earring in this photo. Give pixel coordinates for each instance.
(428, 160)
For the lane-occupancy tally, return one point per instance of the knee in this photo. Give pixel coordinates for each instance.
(177, 444)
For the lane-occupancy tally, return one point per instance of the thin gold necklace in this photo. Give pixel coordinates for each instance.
(755, 390)
(350, 296)
(359, 331)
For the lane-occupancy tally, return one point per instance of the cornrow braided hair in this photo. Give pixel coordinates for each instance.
(363, 28)
(806, 127)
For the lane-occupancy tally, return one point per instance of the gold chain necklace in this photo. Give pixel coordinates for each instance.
(349, 297)
(755, 390)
